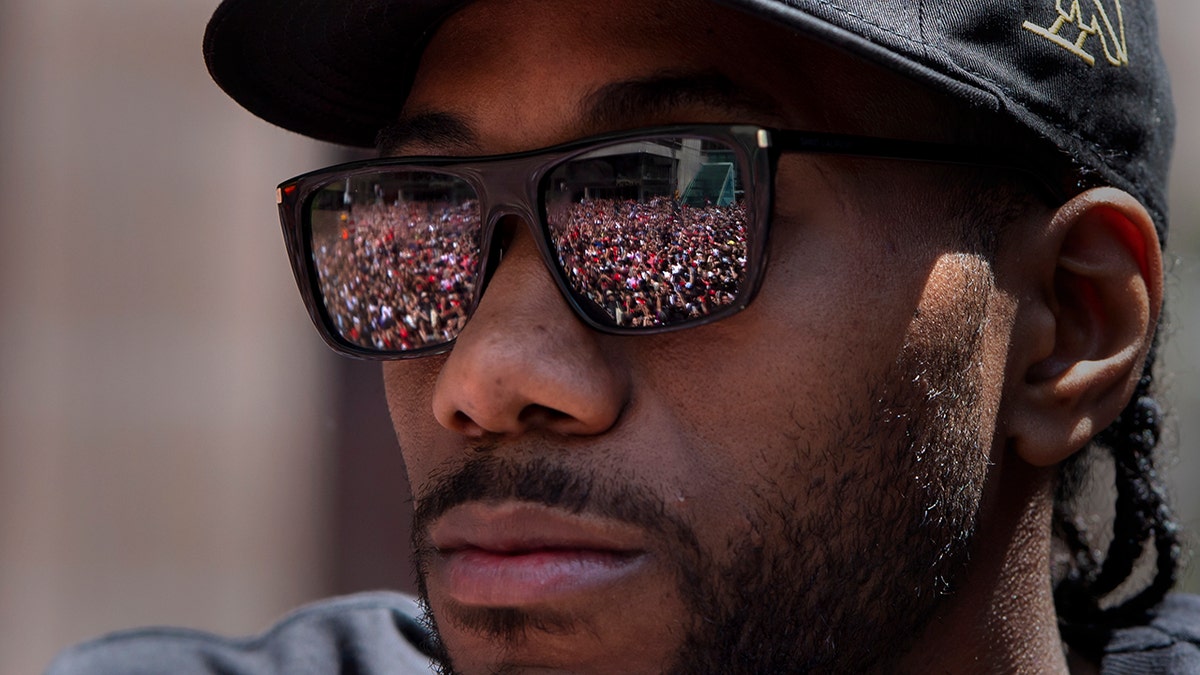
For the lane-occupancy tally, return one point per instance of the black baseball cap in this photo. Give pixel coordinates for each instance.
(1084, 75)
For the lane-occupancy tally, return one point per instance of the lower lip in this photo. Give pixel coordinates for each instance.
(488, 579)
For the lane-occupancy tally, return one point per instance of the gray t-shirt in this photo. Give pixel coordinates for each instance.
(366, 634)
(379, 633)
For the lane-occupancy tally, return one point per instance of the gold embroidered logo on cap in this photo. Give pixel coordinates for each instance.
(1098, 23)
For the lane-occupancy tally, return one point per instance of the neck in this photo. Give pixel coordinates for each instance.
(1002, 618)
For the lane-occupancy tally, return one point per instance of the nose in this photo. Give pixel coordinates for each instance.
(525, 362)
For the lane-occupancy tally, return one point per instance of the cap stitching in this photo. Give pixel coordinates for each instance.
(1094, 149)
(1098, 148)
(965, 67)
(860, 17)
(921, 27)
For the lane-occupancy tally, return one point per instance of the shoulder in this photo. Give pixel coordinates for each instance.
(366, 633)
(1168, 643)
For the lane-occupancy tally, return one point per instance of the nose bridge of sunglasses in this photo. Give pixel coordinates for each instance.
(507, 190)
(506, 223)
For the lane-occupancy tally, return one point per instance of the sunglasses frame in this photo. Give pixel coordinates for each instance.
(514, 185)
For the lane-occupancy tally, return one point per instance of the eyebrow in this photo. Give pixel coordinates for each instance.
(439, 130)
(610, 106)
(614, 105)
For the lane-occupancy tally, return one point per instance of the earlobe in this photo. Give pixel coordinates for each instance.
(1083, 332)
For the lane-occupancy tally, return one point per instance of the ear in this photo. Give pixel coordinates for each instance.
(1084, 323)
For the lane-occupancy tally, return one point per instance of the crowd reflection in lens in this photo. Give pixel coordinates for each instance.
(400, 276)
(397, 277)
(654, 262)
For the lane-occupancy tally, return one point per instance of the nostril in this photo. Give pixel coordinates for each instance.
(464, 424)
(540, 415)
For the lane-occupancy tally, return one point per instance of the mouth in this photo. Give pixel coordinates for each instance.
(517, 555)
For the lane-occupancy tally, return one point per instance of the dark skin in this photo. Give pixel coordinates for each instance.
(739, 433)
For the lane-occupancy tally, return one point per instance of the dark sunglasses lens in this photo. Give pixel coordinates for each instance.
(397, 257)
(651, 232)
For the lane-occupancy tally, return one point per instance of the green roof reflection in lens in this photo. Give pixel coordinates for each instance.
(651, 232)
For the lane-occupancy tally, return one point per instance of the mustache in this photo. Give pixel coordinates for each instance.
(548, 480)
(543, 481)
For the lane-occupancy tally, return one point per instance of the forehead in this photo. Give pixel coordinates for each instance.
(522, 74)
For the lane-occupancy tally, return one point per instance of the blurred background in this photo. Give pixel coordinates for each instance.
(176, 446)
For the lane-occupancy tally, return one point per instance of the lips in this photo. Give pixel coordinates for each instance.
(520, 554)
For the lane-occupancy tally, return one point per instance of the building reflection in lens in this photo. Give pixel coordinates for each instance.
(652, 231)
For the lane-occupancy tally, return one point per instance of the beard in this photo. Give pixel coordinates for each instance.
(847, 587)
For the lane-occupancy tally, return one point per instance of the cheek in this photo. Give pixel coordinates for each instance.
(760, 393)
(958, 280)
(409, 386)
(757, 397)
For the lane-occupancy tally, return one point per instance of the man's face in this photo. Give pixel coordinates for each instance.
(791, 487)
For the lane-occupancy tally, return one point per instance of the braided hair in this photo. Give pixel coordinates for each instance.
(1087, 600)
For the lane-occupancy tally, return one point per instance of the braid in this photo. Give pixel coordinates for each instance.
(1142, 515)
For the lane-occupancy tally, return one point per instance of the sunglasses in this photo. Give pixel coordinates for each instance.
(643, 231)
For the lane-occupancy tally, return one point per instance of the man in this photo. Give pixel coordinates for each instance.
(764, 337)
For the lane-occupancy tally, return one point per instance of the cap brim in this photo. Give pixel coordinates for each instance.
(339, 71)
(330, 69)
